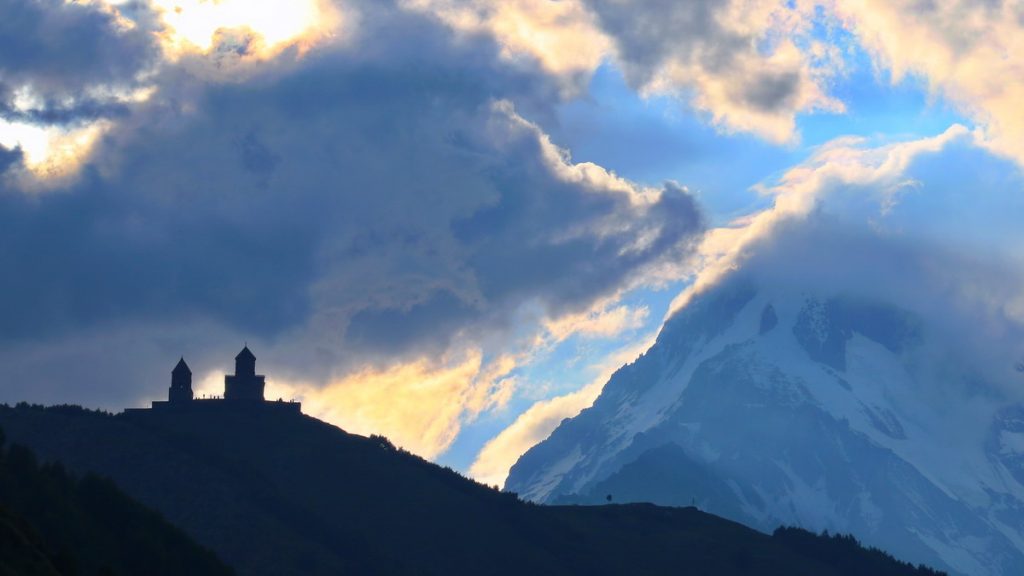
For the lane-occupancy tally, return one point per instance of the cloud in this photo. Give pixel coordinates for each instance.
(8, 158)
(50, 156)
(368, 192)
(755, 65)
(539, 420)
(839, 225)
(61, 48)
(418, 405)
(751, 65)
(969, 52)
(605, 320)
(835, 229)
(114, 366)
(66, 68)
(967, 306)
(532, 426)
(259, 30)
(878, 172)
(561, 37)
(365, 214)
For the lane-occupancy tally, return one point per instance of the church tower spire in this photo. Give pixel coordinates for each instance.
(245, 362)
(181, 383)
(244, 384)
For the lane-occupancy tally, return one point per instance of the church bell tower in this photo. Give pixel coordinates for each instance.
(181, 384)
(244, 384)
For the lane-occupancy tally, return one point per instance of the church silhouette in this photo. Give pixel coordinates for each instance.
(243, 389)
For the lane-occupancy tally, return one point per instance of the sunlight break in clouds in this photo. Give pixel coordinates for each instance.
(51, 155)
(199, 25)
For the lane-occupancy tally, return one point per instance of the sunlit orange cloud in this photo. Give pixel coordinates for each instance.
(969, 52)
(562, 36)
(271, 26)
(419, 405)
(607, 319)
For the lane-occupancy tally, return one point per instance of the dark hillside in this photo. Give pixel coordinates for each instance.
(52, 522)
(21, 551)
(277, 493)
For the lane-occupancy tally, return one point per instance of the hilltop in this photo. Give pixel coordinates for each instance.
(276, 492)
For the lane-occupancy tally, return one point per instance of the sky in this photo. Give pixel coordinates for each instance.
(449, 221)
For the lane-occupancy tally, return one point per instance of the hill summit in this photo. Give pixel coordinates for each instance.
(242, 390)
(276, 492)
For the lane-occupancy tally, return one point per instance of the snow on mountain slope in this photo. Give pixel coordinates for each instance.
(817, 408)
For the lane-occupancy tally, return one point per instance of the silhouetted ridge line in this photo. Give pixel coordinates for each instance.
(283, 494)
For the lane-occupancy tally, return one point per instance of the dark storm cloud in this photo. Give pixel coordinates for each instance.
(372, 200)
(97, 253)
(60, 113)
(61, 47)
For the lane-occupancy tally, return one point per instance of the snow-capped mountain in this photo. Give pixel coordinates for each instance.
(773, 406)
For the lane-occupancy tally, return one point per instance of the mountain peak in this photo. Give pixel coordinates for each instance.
(823, 410)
